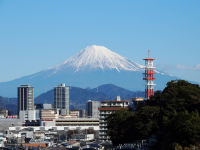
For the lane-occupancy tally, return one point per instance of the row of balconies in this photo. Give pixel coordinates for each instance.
(102, 133)
(48, 115)
(76, 125)
(103, 124)
(105, 112)
(102, 128)
(73, 123)
(102, 118)
(124, 104)
(103, 137)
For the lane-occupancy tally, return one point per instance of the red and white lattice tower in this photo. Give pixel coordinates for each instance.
(149, 76)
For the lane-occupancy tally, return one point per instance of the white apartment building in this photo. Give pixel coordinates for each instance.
(107, 108)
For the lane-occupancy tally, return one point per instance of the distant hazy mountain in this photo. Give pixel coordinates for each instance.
(114, 91)
(9, 104)
(91, 67)
(79, 96)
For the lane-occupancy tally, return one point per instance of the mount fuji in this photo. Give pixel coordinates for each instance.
(91, 67)
(98, 57)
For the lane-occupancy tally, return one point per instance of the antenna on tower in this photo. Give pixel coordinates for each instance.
(70, 86)
(148, 53)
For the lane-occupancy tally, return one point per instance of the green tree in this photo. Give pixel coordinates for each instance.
(172, 115)
(186, 128)
(126, 126)
(179, 116)
(119, 126)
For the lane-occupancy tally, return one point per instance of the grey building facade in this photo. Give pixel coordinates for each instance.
(61, 99)
(92, 109)
(26, 108)
(25, 98)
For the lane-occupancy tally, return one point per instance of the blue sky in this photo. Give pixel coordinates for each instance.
(38, 34)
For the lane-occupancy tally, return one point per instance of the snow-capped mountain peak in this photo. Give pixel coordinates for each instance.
(99, 57)
(91, 67)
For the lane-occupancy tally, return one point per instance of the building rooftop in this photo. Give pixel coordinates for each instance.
(113, 108)
(25, 85)
(114, 101)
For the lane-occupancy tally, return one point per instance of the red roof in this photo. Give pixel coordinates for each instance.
(34, 144)
(149, 59)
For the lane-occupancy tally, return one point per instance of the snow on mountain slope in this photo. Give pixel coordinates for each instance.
(99, 57)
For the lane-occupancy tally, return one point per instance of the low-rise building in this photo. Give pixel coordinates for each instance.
(74, 113)
(48, 117)
(4, 113)
(25, 115)
(82, 123)
(48, 114)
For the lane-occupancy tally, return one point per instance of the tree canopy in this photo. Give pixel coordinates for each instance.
(171, 115)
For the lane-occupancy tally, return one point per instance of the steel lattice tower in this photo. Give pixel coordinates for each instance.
(149, 76)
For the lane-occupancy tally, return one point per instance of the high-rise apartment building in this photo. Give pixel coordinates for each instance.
(25, 98)
(26, 102)
(92, 109)
(61, 99)
(107, 108)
